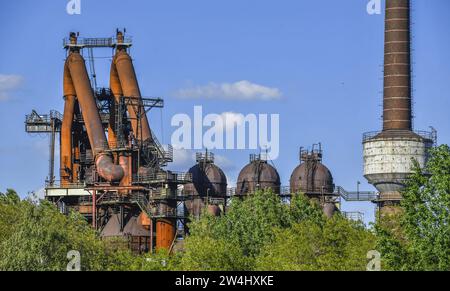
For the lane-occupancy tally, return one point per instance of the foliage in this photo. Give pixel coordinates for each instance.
(42, 238)
(259, 232)
(9, 213)
(418, 237)
(35, 236)
(262, 233)
(338, 245)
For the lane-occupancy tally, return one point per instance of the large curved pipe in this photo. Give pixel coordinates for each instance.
(104, 162)
(130, 88)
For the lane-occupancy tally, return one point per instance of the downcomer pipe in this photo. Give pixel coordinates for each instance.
(66, 165)
(116, 90)
(96, 134)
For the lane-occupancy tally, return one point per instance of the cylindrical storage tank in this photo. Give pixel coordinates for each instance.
(257, 175)
(208, 181)
(388, 159)
(166, 225)
(165, 233)
(315, 179)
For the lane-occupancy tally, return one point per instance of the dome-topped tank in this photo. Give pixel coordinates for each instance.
(311, 177)
(258, 174)
(207, 178)
(208, 187)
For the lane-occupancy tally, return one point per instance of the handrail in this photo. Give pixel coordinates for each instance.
(424, 134)
(356, 195)
(166, 176)
(85, 42)
(57, 185)
(44, 118)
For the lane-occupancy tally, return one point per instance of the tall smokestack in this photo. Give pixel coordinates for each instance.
(397, 67)
(390, 156)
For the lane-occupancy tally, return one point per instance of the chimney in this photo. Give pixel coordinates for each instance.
(397, 113)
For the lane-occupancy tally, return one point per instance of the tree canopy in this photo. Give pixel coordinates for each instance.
(418, 237)
(260, 232)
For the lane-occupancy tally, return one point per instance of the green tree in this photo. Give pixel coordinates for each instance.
(418, 237)
(9, 213)
(262, 233)
(43, 237)
(232, 241)
(339, 244)
(35, 236)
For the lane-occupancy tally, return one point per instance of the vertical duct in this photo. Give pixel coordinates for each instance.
(397, 67)
(123, 68)
(66, 165)
(66, 161)
(113, 132)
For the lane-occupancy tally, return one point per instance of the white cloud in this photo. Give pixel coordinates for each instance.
(231, 120)
(9, 83)
(242, 90)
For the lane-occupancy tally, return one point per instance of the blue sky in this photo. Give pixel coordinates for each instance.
(324, 57)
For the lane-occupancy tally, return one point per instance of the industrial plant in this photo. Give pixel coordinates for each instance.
(112, 167)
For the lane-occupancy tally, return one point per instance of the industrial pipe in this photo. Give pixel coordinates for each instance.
(96, 134)
(113, 133)
(123, 67)
(116, 90)
(66, 165)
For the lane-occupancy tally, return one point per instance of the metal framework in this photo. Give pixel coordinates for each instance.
(47, 124)
(153, 192)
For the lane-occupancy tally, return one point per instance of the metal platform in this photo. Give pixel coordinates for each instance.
(43, 123)
(105, 42)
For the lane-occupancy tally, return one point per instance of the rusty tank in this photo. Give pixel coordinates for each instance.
(258, 175)
(314, 179)
(209, 186)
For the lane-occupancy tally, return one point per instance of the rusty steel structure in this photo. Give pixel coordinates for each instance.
(208, 187)
(315, 180)
(388, 154)
(111, 164)
(258, 175)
